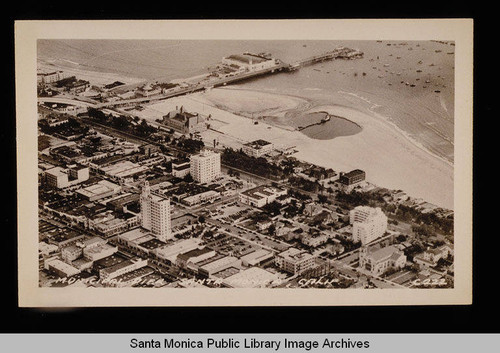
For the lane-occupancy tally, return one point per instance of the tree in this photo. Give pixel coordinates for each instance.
(322, 198)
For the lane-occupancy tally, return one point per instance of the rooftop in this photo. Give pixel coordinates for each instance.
(257, 144)
(252, 277)
(262, 191)
(382, 253)
(247, 58)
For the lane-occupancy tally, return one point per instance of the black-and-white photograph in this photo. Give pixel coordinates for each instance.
(220, 164)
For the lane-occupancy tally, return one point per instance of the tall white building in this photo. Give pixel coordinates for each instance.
(205, 166)
(155, 212)
(368, 223)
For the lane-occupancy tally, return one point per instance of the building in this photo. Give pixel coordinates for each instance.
(99, 190)
(315, 240)
(257, 148)
(114, 225)
(248, 62)
(261, 195)
(202, 197)
(430, 257)
(50, 77)
(254, 277)
(295, 261)
(256, 257)
(184, 122)
(191, 258)
(60, 178)
(218, 265)
(168, 254)
(312, 209)
(205, 166)
(155, 213)
(367, 223)
(122, 170)
(379, 260)
(180, 167)
(60, 268)
(352, 179)
(77, 86)
(108, 273)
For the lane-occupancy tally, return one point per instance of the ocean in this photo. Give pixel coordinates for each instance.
(410, 84)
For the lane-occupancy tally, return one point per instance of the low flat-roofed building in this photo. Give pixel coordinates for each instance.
(109, 261)
(221, 264)
(71, 253)
(314, 240)
(180, 167)
(257, 148)
(123, 170)
(113, 226)
(194, 256)
(295, 261)
(202, 197)
(136, 240)
(261, 195)
(168, 253)
(99, 190)
(61, 268)
(99, 251)
(131, 278)
(257, 257)
(378, 260)
(121, 268)
(253, 277)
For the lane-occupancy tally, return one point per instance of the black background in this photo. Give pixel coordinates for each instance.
(361, 319)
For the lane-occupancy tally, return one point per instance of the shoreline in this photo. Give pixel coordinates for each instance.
(377, 129)
(281, 107)
(97, 78)
(314, 105)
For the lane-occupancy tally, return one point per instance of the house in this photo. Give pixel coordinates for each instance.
(430, 257)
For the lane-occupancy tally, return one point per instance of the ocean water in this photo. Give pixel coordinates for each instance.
(410, 84)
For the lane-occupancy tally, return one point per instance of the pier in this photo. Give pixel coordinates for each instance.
(337, 53)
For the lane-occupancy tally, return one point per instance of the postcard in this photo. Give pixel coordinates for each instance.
(244, 163)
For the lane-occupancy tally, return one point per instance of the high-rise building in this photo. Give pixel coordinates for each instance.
(155, 212)
(205, 166)
(368, 223)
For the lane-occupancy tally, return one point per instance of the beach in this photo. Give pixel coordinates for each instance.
(389, 157)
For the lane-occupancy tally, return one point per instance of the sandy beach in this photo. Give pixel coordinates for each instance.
(389, 158)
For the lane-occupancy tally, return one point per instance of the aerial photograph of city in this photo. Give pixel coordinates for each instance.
(246, 164)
